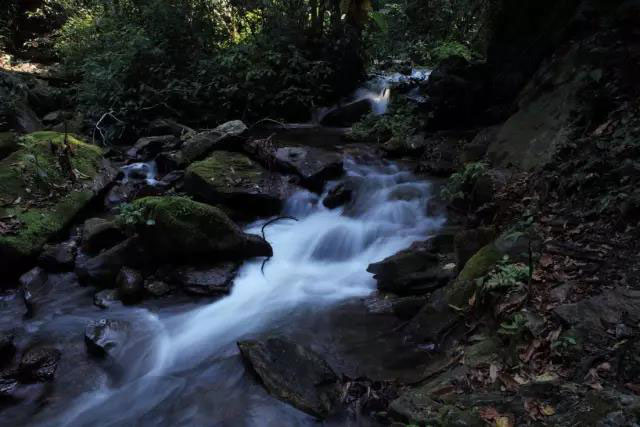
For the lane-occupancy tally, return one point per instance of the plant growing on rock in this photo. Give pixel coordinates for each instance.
(461, 183)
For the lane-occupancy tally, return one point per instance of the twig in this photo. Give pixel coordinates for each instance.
(263, 236)
(266, 119)
(97, 126)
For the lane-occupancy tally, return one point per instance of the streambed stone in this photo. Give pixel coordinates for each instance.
(39, 364)
(207, 281)
(293, 374)
(104, 337)
(313, 165)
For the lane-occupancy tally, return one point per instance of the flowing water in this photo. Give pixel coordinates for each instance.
(181, 365)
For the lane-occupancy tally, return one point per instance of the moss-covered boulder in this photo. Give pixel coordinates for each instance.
(237, 182)
(43, 185)
(224, 136)
(180, 229)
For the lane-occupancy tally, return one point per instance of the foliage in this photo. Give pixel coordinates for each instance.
(243, 60)
(130, 216)
(515, 327)
(506, 275)
(398, 123)
(460, 182)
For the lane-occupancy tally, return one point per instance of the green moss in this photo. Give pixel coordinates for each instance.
(39, 194)
(227, 169)
(459, 293)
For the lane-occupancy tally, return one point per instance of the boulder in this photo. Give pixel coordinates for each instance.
(338, 196)
(60, 257)
(53, 117)
(347, 114)
(156, 288)
(207, 281)
(178, 228)
(314, 166)
(476, 150)
(105, 337)
(130, 284)
(468, 242)
(99, 234)
(148, 148)
(28, 177)
(239, 183)
(33, 284)
(39, 364)
(102, 270)
(8, 144)
(199, 145)
(293, 374)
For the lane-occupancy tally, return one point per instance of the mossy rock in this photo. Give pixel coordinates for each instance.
(239, 183)
(419, 407)
(178, 228)
(463, 288)
(40, 197)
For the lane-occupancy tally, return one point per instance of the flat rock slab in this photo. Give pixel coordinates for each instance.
(293, 374)
(234, 180)
(314, 166)
(207, 281)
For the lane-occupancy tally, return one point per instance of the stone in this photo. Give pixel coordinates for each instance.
(8, 144)
(469, 242)
(32, 285)
(239, 183)
(60, 257)
(39, 364)
(156, 288)
(476, 150)
(434, 320)
(101, 270)
(53, 117)
(313, 165)
(7, 348)
(99, 234)
(293, 374)
(105, 337)
(130, 284)
(338, 196)
(199, 145)
(347, 114)
(160, 127)
(207, 281)
(106, 298)
(179, 229)
(147, 148)
(22, 180)
(487, 185)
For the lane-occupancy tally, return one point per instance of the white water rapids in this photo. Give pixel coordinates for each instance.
(318, 261)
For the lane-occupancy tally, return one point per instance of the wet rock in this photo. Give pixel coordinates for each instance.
(207, 281)
(178, 228)
(403, 307)
(239, 183)
(161, 127)
(60, 257)
(32, 284)
(102, 269)
(293, 374)
(106, 298)
(338, 196)
(314, 166)
(7, 348)
(156, 288)
(99, 234)
(434, 321)
(224, 136)
(487, 185)
(105, 337)
(346, 115)
(39, 364)
(147, 148)
(476, 150)
(130, 284)
(169, 161)
(53, 117)
(592, 317)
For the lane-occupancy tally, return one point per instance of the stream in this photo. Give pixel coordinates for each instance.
(180, 365)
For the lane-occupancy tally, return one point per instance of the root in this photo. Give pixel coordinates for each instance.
(274, 220)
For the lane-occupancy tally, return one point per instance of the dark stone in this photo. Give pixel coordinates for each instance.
(314, 166)
(433, 321)
(225, 136)
(293, 374)
(476, 150)
(146, 149)
(469, 242)
(106, 298)
(32, 284)
(207, 281)
(53, 117)
(102, 269)
(99, 234)
(60, 257)
(347, 114)
(8, 144)
(338, 196)
(7, 348)
(39, 364)
(104, 337)
(487, 185)
(130, 284)
(169, 161)
(161, 127)
(156, 288)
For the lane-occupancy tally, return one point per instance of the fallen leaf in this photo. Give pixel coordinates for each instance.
(493, 373)
(547, 410)
(546, 260)
(504, 422)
